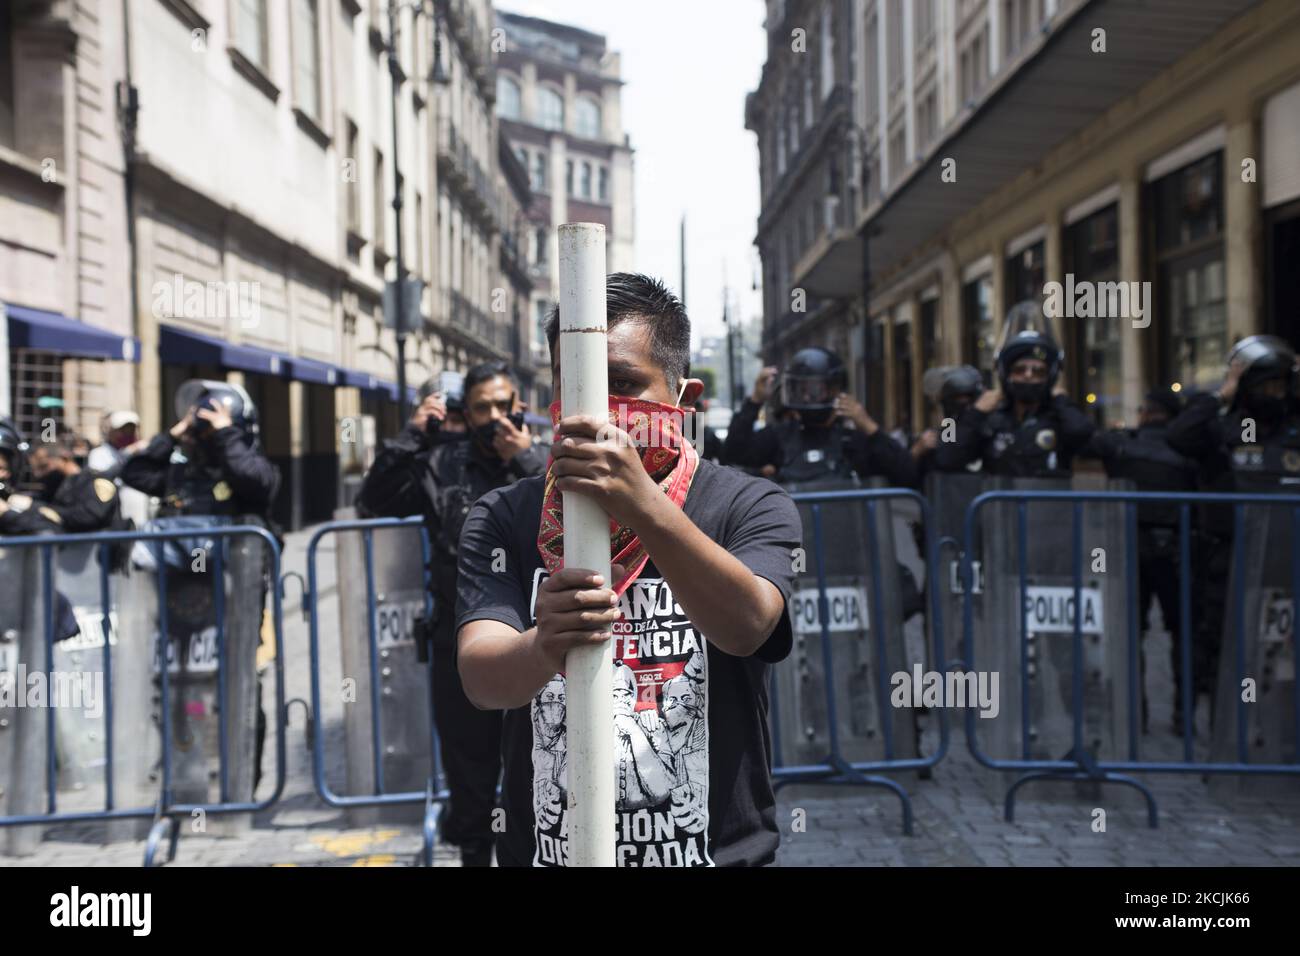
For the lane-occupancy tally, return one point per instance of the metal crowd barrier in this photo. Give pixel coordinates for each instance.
(435, 795)
(835, 767)
(168, 810)
(1079, 764)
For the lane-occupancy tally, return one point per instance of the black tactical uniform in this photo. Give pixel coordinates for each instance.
(228, 477)
(440, 477)
(1227, 463)
(1143, 455)
(1042, 444)
(80, 503)
(224, 475)
(818, 446)
(954, 388)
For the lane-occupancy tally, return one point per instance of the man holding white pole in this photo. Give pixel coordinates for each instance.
(691, 611)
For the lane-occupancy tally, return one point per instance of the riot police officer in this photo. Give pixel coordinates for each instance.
(1027, 427)
(1245, 437)
(818, 444)
(954, 388)
(210, 464)
(428, 470)
(1144, 456)
(65, 497)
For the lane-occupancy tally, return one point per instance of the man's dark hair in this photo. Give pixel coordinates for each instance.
(485, 372)
(630, 295)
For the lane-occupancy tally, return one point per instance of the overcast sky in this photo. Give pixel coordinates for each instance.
(687, 65)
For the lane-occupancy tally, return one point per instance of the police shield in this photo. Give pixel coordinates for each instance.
(833, 691)
(1023, 626)
(381, 637)
(1255, 710)
(950, 495)
(204, 628)
(22, 753)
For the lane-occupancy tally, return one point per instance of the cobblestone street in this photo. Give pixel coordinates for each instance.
(958, 812)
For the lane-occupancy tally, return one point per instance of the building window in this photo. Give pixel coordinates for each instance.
(377, 200)
(543, 312)
(977, 320)
(541, 255)
(306, 57)
(251, 32)
(6, 78)
(586, 118)
(1091, 252)
(539, 172)
(808, 110)
(419, 235)
(603, 187)
(550, 108)
(827, 42)
(923, 25)
(584, 182)
(1025, 275)
(568, 177)
(926, 121)
(894, 45)
(873, 73)
(1187, 208)
(903, 375)
(354, 186)
(508, 97)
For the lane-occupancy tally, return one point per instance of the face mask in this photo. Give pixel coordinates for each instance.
(483, 435)
(1027, 393)
(50, 484)
(1266, 408)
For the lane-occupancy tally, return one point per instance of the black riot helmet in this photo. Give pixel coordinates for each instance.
(952, 387)
(1265, 358)
(14, 448)
(206, 393)
(811, 381)
(1027, 333)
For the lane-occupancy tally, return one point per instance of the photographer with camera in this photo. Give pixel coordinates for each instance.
(458, 446)
(208, 470)
(209, 463)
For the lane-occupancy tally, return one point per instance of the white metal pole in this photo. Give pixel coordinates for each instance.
(589, 671)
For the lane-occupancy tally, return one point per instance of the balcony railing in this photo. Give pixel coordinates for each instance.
(477, 324)
(474, 186)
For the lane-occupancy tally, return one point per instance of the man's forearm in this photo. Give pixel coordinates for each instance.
(726, 601)
(499, 668)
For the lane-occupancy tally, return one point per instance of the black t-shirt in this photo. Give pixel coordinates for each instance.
(694, 752)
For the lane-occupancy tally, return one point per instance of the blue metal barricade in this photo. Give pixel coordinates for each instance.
(1233, 671)
(880, 639)
(39, 644)
(434, 794)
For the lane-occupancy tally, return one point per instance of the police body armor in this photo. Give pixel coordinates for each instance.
(1029, 640)
(861, 576)
(1266, 642)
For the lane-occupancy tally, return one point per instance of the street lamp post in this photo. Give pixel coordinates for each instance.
(855, 138)
(395, 74)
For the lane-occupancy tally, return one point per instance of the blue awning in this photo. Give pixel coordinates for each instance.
(182, 347)
(52, 332)
(318, 373)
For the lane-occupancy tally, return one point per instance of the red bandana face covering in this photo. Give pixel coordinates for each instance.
(668, 458)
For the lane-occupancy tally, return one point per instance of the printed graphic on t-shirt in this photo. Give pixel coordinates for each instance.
(662, 738)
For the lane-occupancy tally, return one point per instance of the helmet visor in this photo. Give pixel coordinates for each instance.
(807, 392)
